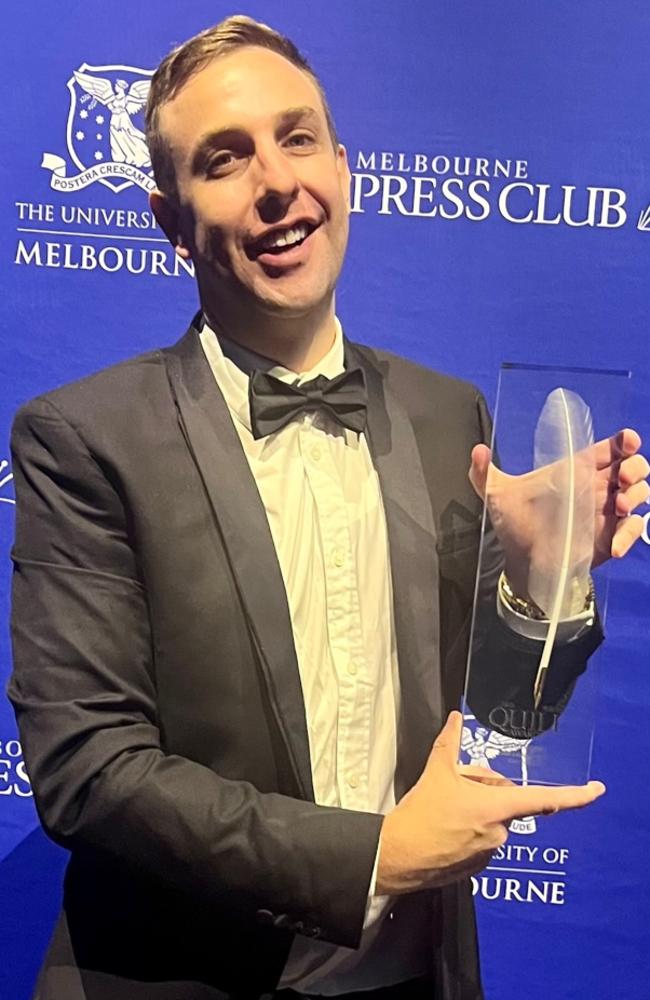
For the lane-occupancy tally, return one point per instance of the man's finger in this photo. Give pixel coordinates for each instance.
(612, 449)
(633, 470)
(629, 499)
(628, 531)
(484, 775)
(535, 800)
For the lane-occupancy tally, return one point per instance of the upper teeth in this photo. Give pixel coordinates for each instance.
(287, 237)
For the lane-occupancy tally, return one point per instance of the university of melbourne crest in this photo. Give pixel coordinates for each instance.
(105, 136)
(479, 746)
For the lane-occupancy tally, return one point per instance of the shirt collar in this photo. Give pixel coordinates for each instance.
(232, 364)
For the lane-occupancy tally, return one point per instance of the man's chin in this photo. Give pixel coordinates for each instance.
(290, 307)
(287, 296)
(290, 302)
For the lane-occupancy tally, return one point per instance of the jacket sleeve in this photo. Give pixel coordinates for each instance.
(83, 688)
(503, 663)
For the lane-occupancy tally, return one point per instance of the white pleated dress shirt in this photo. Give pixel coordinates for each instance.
(322, 499)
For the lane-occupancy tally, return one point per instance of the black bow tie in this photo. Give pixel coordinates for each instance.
(274, 403)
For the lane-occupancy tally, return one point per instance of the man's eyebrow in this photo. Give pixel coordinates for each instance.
(224, 137)
(293, 115)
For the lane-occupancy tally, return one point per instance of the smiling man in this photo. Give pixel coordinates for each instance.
(224, 701)
(255, 190)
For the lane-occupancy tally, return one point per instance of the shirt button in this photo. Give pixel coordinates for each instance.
(339, 557)
(353, 781)
(316, 453)
(352, 668)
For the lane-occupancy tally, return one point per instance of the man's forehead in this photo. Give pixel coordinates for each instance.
(236, 90)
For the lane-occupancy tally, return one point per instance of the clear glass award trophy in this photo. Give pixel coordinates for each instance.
(530, 713)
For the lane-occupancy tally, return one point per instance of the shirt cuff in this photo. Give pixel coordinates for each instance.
(373, 877)
(533, 628)
(376, 906)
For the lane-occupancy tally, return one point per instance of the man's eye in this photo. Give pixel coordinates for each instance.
(220, 162)
(300, 139)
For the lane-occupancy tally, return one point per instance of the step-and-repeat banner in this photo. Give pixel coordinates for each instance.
(501, 198)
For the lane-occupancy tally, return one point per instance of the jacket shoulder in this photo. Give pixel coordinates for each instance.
(417, 385)
(101, 393)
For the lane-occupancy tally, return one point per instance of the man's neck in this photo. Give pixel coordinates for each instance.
(295, 342)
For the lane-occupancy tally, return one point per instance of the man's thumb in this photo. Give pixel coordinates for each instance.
(479, 468)
(447, 745)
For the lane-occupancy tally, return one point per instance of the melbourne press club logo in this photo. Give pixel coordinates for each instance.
(105, 149)
(445, 186)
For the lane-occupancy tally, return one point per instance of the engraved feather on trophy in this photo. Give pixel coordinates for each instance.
(563, 438)
(128, 143)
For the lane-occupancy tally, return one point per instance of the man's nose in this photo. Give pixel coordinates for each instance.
(277, 187)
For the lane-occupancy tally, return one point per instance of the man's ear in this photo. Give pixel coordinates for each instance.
(167, 215)
(345, 176)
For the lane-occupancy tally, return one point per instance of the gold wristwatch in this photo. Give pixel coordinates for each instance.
(528, 609)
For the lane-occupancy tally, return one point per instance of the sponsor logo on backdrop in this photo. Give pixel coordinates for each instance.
(103, 147)
(13, 776)
(518, 872)
(644, 220)
(525, 873)
(449, 187)
(102, 137)
(6, 483)
(646, 528)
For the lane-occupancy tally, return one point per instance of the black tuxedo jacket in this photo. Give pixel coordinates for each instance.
(157, 689)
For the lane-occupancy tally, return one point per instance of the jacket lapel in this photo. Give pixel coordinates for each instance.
(231, 489)
(414, 566)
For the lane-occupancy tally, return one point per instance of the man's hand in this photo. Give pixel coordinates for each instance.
(517, 510)
(448, 825)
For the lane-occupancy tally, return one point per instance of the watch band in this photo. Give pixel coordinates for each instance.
(528, 609)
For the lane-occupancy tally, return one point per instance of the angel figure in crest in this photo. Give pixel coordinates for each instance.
(127, 142)
(483, 746)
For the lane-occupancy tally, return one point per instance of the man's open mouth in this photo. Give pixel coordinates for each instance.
(281, 240)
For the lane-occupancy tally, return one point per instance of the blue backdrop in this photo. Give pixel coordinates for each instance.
(501, 161)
